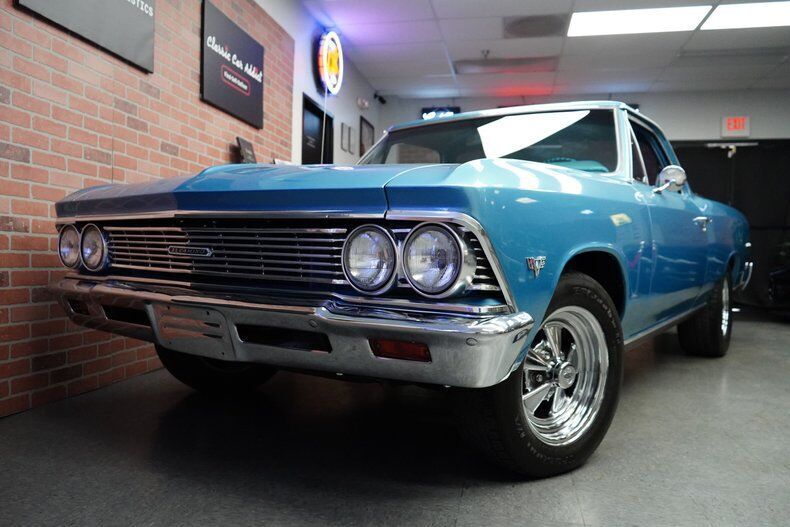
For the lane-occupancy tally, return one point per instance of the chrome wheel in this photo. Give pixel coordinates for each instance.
(725, 306)
(565, 375)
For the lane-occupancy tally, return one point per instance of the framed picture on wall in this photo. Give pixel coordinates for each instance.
(344, 137)
(367, 135)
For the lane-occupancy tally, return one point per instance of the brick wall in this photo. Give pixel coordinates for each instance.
(73, 116)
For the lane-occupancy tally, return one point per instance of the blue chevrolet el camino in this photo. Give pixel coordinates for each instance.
(509, 255)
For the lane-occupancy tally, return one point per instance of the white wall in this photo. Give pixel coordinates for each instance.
(683, 116)
(304, 29)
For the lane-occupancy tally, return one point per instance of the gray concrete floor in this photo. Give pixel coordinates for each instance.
(695, 442)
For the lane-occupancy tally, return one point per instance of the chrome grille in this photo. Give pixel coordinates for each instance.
(269, 254)
(255, 252)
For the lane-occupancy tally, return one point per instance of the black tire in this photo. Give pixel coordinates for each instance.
(212, 375)
(495, 420)
(702, 335)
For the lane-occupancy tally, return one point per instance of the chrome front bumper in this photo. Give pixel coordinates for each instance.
(465, 351)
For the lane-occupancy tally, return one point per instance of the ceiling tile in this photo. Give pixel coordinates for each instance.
(415, 52)
(725, 73)
(610, 5)
(622, 60)
(395, 85)
(343, 12)
(471, 28)
(772, 83)
(617, 44)
(782, 71)
(740, 38)
(390, 68)
(723, 58)
(602, 76)
(701, 84)
(505, 48)
(601, 88)
(481, 8)
(505, 79)
(392, 33)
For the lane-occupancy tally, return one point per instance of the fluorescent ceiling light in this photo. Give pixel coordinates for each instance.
(734, 16)
(632, 21)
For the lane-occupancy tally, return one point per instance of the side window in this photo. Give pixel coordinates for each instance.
(652, 154)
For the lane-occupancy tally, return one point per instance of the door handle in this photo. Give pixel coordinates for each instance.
(703, 222)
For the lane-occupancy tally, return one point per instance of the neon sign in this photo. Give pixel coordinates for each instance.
(330, 62)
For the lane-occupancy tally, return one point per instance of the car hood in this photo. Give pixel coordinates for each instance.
(330, 189)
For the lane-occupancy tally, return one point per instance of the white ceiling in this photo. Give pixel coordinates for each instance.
(407, 47)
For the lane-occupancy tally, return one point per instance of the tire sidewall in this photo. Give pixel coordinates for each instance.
(716, 315)
(573, 290)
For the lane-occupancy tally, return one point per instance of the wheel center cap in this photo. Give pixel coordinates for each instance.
(566, 375)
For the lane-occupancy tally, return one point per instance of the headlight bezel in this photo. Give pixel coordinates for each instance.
(78, 259)
(393, 275)
(105, 253)
(467, 262)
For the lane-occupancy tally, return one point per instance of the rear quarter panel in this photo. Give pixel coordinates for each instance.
(728, 235)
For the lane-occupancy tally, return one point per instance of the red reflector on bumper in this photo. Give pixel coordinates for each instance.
(398, 349)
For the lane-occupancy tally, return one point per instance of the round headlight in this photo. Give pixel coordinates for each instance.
(69, 246)
(436, 261)
(92, 248)
(369, 259)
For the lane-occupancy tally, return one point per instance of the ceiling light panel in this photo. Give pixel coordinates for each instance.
(634, 21)
(738, 16)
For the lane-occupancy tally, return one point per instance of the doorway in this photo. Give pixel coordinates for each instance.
(316, 123)
(753, 177)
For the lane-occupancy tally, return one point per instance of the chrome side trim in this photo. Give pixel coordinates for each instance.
(477, 229)
(660, 327)
(214, 214)
(746, 275)
(398, 304)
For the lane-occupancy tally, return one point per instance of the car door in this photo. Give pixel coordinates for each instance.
(678, 226)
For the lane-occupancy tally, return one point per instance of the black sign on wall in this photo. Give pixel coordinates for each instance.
(231, 68)
(123, 27)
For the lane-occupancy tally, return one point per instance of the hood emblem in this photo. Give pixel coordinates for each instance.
(536, 263)
(183, 250)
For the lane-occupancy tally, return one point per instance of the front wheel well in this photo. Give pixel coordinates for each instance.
(604, 268)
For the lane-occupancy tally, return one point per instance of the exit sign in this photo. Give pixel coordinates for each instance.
(735, 126)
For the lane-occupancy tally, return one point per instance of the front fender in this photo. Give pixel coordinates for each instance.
(530, 209)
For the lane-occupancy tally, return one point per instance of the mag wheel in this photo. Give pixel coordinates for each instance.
(565, 375)
(551, 413)
(212, 375)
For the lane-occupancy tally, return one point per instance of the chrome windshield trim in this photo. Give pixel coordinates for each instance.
(396, 304)
(477, 229)
(515, 110)
(219, 214)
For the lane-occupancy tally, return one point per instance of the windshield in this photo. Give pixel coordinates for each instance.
(581, 139)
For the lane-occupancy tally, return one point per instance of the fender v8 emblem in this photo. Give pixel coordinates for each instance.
(536, 263)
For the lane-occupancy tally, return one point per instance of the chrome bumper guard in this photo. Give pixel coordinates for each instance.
(465, 351)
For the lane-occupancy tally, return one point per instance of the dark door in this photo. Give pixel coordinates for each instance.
(753, 177)
(316, 134)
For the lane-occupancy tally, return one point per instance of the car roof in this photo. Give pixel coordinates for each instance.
(531, 108)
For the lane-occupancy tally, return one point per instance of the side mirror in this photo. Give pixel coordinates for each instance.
(671, 177)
